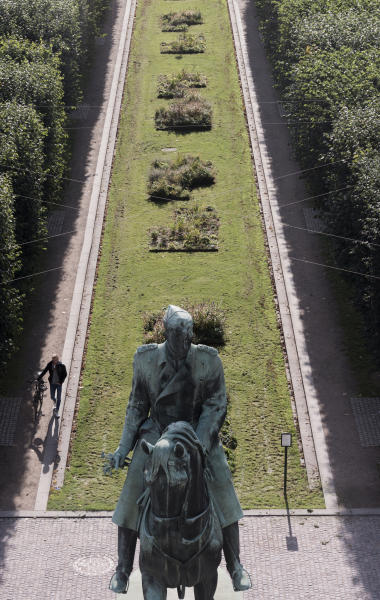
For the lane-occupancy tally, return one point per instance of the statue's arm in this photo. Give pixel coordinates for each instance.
(137, 412)
(214, 406)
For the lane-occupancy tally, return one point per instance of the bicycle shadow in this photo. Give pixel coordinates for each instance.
(46, 450)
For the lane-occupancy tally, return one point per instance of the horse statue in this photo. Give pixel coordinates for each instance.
(180, 534)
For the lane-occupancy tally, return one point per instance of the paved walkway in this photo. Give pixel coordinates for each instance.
(322, 557)
(47, 315)
(327, 375)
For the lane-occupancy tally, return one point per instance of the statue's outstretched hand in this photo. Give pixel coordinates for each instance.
(119, 458)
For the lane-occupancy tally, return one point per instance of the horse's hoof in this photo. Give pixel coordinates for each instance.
(241, 580)
(119, 583)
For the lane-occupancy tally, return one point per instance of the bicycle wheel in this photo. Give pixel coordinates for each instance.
(36, 406)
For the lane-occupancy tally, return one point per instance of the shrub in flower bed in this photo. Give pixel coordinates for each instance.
(192, 111)
(194, 230)
(177, 84)
(186, 44)
(180, 21)
(209, 324)
(174, 179)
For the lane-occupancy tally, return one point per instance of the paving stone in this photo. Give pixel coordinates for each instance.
(73, 558)
(55, 222)
(367, 419)
(313, 221)
(9, 409)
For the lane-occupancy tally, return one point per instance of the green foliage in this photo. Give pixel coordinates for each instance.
(132, 280)
(39, 83)
(331, 31)
(176, 85)
(180, 21)
(22, 157)
(185, 44)
(320, 84)
(194, 230)
(327, 64)
(175, 179)
(209, 324)
(191, 112)
(58, 24)
(355, 213)
(10, 298)
(67, 27)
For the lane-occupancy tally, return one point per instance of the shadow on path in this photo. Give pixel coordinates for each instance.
(48, 305)
(354, 468)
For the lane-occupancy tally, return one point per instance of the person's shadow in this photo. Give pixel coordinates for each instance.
(46, 449)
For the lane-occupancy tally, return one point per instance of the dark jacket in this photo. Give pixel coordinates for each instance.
(61, 371)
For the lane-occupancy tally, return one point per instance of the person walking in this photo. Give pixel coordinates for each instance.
(57, 375)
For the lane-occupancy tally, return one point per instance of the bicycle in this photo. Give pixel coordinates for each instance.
(40, 388)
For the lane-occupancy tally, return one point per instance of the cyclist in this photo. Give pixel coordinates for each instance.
(57, 375)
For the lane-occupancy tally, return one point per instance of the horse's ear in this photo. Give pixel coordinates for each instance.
(146, 447)
(179, 450)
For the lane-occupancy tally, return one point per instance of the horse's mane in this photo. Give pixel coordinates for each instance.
(180, 431)
(183, 432)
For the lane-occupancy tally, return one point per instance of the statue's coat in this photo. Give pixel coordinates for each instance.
(161, 395)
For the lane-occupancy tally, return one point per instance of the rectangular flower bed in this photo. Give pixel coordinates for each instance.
(191, 112)
(177, 84)
(194, 230)
(173, 180)
(185, 44)
(180, 21)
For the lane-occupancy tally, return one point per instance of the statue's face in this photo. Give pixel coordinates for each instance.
(178, 337)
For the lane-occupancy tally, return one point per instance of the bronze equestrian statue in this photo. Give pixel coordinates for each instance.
(180, 534)
(176, 381)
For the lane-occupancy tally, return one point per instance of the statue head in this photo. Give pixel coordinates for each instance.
(178, 325)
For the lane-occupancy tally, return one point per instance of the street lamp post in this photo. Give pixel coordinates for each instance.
(286, 442)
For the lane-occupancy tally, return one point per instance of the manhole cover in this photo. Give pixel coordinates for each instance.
(94, 565)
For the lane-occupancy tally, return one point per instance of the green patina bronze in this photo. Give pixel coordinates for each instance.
(176, 381)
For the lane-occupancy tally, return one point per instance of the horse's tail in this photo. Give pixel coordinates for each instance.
(181, 589)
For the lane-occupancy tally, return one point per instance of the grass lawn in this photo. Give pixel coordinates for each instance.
(132, 280)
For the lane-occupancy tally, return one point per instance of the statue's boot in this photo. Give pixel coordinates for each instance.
(126, 545)
(240, 577)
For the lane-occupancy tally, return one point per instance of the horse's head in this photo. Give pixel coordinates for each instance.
(174, 471)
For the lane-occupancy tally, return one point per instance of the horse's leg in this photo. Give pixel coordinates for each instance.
(205, 590)
(152, 589)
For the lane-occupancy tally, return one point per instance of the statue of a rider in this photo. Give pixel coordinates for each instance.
(176, 381)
